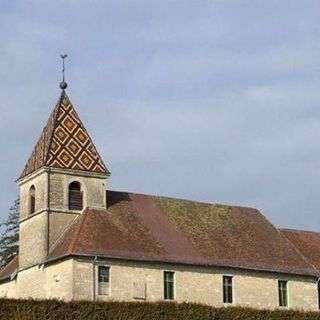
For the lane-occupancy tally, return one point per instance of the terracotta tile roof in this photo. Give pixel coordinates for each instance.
(307, 242)
(151, 228)
(64, 143)
(10, 268)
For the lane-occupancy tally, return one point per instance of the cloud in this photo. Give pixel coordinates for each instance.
(214, 101)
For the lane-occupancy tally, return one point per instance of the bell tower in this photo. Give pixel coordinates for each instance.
(63, 175)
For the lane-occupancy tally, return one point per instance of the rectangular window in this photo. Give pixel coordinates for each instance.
(227, 289)
(103, 280)
(169, 285)
(283, 293)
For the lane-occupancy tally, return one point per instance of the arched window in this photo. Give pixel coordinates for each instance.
(32, 200)
(75, 196)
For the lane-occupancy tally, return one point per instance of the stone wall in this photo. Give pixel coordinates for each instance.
(194, 284)
(76, 279)
(94, 195)
(33, 227)
(42, 228)
(93, 187)
(83, 280)
(59, 280)
(31, 283)
(40, 181)
(8, 289)
(46, 282)
(33, 240)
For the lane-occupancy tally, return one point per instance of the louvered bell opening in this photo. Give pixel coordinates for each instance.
(75, 196)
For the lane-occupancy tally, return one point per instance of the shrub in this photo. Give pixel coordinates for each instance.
(85, 310)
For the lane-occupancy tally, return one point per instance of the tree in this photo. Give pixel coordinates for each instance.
(9, 239)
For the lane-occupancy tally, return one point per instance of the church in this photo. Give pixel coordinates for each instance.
(81, 241)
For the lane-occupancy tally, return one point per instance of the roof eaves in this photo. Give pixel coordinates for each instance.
(7, 266)
(3, 279)
(172, 261)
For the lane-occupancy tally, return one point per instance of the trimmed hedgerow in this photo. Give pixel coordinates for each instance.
(84, 310)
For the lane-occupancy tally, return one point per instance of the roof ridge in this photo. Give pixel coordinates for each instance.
(63, 234)
(54, 126)
(298, 230)
(32, 156)
(77, 230)
(85, 130)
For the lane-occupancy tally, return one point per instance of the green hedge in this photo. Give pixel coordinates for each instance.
(56, 310)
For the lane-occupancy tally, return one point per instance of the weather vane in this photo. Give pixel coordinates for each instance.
(63, 84)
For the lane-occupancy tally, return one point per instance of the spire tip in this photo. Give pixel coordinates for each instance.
(63, 85)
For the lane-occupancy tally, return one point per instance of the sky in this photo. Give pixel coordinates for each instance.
(210, 100)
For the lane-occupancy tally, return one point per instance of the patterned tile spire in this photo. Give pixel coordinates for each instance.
(64, 143)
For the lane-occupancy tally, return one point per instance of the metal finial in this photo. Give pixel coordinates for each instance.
(63, 84)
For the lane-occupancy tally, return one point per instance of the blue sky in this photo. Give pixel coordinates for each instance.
(215, 101)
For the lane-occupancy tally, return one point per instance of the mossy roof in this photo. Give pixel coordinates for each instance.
(308, 244)
(160, 229)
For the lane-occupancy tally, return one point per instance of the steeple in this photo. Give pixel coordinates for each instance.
(64, 143)
(64, 175)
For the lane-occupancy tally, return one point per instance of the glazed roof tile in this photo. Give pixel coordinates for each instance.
(64, 143)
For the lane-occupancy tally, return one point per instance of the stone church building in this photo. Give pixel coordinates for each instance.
(81, 241)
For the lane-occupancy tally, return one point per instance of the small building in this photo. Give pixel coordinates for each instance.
(81, 241)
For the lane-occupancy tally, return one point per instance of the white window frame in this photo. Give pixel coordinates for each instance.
(233, 290)
(288, 295)
(174, 285)
(97, 280)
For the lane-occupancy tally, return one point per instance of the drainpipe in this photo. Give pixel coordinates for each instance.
(318, 291)
(94, 278)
